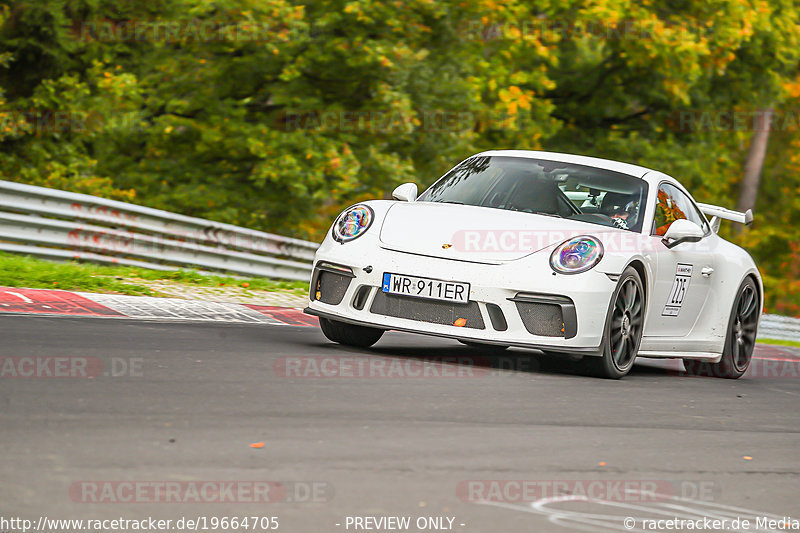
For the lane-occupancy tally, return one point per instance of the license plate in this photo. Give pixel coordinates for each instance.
(436, 289)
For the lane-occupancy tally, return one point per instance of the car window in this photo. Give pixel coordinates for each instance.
(672, 205)
(555, 188)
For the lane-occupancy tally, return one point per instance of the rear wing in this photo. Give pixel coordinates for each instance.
(718, 213)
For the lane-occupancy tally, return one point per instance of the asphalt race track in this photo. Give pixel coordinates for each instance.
(417, 427)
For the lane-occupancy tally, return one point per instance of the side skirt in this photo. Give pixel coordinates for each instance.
(707, 357)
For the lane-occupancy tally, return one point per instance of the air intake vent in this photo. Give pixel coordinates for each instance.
(497, 317)
(431, 311)
(542, 319)
(360, 299)
(330, 287)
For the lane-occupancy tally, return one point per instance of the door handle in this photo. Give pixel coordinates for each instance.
(707, 271)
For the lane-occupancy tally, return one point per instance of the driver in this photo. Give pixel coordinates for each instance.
(623, 212)
(620, 218)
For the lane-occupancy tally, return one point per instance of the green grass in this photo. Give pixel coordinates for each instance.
(779, 342)
(30, 272)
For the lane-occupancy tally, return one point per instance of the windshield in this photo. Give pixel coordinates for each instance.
(552, 188)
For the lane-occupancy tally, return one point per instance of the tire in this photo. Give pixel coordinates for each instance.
(739, 341)
(484, 346)
(349, 334)
(623, 330)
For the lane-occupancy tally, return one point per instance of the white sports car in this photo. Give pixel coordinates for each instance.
(563, 253)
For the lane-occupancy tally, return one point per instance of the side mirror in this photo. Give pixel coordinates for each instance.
(682, 230)
(406, 192)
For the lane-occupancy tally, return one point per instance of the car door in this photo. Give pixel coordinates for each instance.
(683, 273)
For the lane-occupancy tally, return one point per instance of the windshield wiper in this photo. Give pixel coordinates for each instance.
(450, 202)
(547, 214)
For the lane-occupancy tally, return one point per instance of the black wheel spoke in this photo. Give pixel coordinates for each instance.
(620, 347)
(742, 302)
(628, 355)
(630, 295)
(748, 303)
(751, 321)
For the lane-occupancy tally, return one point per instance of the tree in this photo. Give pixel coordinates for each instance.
(755, 160)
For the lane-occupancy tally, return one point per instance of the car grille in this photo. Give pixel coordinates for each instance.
(330, 287)
(431, 311)
(542, 319)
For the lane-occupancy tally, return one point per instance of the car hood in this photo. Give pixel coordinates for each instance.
(476, 234)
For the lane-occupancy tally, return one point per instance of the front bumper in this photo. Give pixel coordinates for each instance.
(520, 290)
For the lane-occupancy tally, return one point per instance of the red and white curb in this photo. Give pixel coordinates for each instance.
(56, 302)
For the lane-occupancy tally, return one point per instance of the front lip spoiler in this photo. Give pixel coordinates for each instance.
(559, 349)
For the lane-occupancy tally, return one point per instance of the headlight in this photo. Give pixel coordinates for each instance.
(352, 223)
(576, 255)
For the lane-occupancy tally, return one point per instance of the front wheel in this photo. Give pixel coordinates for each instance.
(740, 340)
(623, 330)
(349, 334)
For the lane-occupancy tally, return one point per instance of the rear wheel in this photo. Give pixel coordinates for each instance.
(349, 334)
(740, 340)
(623, 331)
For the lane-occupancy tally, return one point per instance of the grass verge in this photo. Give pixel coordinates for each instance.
(33, 273)
(779, 342)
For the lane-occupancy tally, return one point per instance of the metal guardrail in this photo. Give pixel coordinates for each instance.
(784, 328)
(56, 224)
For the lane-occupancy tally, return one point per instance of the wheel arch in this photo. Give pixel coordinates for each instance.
(759, 289)
(638, 265)
(754, 275)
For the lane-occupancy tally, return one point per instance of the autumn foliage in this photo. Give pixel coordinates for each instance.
(275, 114)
